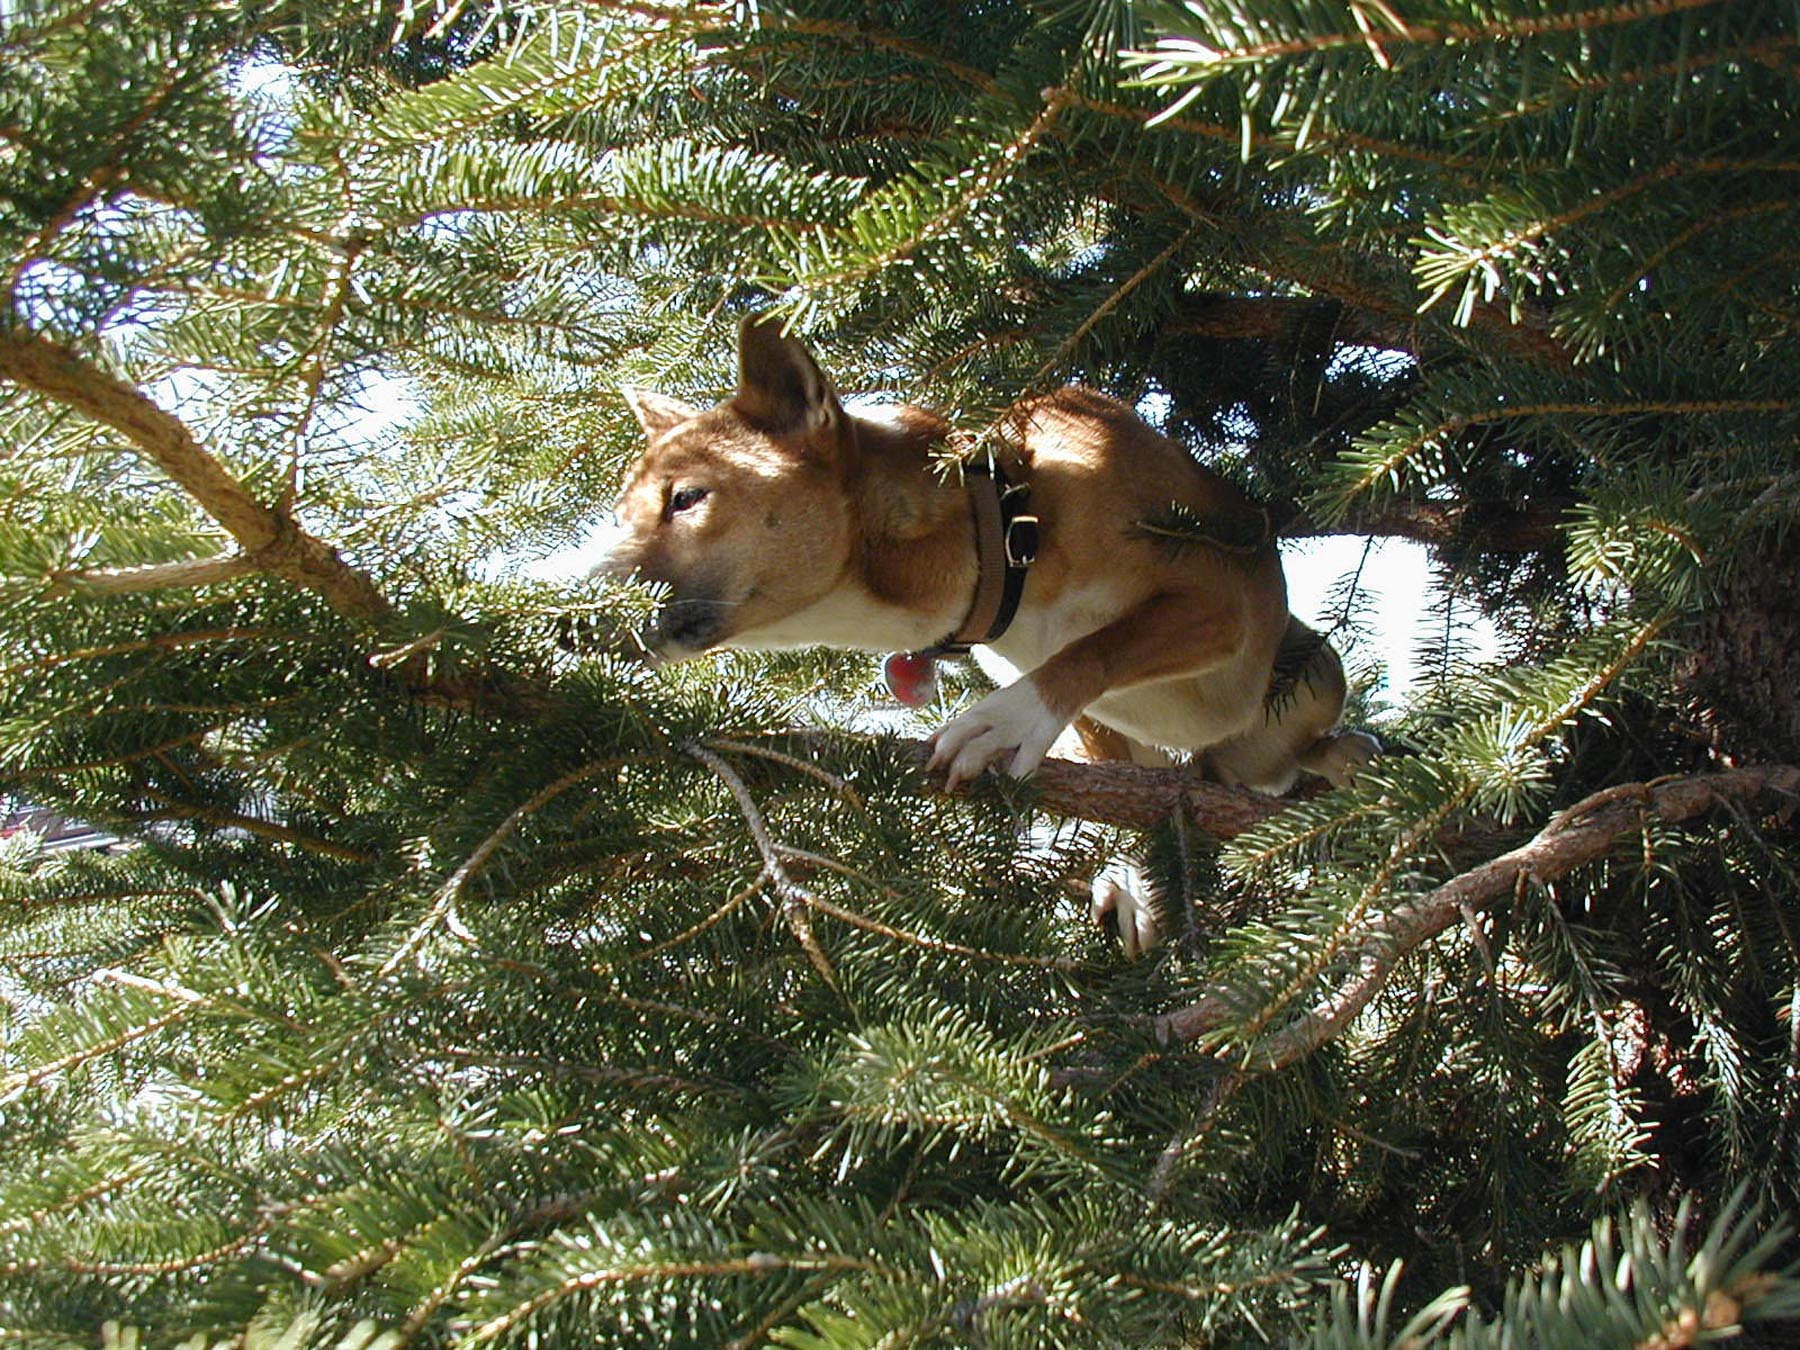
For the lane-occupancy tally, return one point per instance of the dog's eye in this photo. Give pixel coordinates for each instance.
(685, 499)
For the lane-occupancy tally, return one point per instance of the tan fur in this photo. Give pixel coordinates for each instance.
(820, 527)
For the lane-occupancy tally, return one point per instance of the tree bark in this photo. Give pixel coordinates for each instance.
(1743, 677)
(1133, 795)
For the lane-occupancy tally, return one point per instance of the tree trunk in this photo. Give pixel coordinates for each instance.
(1744, 675)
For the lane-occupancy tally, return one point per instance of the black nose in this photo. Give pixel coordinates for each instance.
(691, 623)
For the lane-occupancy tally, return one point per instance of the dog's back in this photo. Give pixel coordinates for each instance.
(1102, 480)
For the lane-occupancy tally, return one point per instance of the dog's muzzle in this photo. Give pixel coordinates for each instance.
(684, 628)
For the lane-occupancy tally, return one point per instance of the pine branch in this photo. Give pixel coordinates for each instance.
(159, 642)
(269, 539)
(1580, 835)
(1420, 826)
(888, 931)
(1451, 257)
(1323, 273)
(796, 900)
(967, 192)
(175, 809)
(1379, 464)
(1239, 535)
(1113, 792)
(861, 35)
(1182, 53)
(1114, 298)
(43, 1073)
(108, 173)
(443, 906)
(758, 1264)
(1769, 52)
(1232, 134)
(98, 1190)
(175, 1266)
(1139, 797)
(152, 576)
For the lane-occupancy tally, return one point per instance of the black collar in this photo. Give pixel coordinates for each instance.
(1006, 544)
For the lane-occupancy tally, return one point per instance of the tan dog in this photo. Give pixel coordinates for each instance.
(779, 520)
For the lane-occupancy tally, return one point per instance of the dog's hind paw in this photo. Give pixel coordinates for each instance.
(1011, 724)
(1340, 757)
(1123, 902)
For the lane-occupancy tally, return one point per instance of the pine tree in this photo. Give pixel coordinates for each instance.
(456, 980)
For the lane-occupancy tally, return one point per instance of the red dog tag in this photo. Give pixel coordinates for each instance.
(911, 678)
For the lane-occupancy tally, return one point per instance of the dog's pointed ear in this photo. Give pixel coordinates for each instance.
(780, 386)
(655, 412)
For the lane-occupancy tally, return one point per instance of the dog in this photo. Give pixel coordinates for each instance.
(777, 519)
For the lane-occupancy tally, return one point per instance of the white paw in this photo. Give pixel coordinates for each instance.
(1011, 724)
(1121, 891)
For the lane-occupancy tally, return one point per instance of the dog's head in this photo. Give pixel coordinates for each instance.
(739, 510)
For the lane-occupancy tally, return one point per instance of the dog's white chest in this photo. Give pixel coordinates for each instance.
(1038, 632)
(848, 617)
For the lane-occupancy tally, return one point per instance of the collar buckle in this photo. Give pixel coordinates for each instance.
(1021, 541)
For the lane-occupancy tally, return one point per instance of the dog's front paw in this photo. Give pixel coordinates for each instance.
(1124, 902)
(1012, 724)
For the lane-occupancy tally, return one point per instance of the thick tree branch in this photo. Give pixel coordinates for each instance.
(1488, 527)
(269, 539)
(1111, 792)
(1268, 317)
(1580, 835)
(1138, 797)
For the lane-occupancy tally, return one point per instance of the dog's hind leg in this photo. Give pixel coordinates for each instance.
(1339, 757)
(1305, 701)
(1122, 897)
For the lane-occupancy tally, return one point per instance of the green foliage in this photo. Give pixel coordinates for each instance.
(1627, 1285)
(453, 979)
